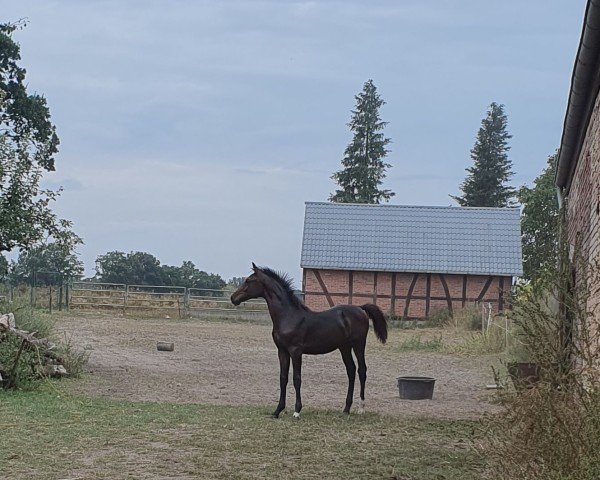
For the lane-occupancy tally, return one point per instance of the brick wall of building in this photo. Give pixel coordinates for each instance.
(583, 203)
(402, 294)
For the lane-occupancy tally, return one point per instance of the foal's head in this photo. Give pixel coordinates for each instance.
(251, 288)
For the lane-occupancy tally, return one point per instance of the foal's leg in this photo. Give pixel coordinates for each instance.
(284, 368)
(359, 351)
(351, 371)
(297, 367)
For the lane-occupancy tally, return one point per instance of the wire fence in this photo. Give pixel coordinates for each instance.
(167, 300)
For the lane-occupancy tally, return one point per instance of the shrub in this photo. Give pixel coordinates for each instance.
(551, 430)
(493, 339)
(27, 373)
(439, 318)
(468, 318)
(416, 342)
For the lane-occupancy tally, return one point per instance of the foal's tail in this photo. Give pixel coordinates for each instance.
(379, 322)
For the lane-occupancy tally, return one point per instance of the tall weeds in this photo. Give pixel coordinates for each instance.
(552, 430)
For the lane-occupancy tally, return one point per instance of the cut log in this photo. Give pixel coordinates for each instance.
(165, 346)
(7, 322)
(29, 339)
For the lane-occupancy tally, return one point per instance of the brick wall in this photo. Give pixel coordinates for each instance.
(583, 203)
(402, 294)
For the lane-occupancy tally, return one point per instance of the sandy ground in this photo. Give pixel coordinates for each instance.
(227, 363)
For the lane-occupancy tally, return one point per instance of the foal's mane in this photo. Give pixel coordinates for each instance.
(285, 282)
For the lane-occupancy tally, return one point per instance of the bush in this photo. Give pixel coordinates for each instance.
(439, 318)
(491, 340)
(551, 430)
(416, 342)
(28, 369)
(468, 318)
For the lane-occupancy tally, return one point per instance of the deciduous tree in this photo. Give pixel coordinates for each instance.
(539, 223)
(28, 144)
(53, 264)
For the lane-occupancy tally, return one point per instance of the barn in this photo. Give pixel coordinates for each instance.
(410, 260)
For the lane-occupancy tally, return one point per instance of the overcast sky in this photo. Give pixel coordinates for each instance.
(196, 130)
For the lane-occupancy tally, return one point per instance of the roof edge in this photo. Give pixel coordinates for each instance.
(389, 205)
(445, 272)
(582, 95)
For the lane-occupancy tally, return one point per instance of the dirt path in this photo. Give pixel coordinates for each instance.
(236, 363)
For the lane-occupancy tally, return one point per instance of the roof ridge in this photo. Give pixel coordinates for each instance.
(388, 205)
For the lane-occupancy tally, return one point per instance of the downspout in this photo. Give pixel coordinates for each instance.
(560, 198)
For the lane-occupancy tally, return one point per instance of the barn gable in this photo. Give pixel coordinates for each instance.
(398, 238)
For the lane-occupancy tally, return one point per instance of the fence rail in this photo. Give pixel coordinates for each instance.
(180, 300)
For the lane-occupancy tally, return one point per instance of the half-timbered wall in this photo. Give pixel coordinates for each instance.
(408, 295)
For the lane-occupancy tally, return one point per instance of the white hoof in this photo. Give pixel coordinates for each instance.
(296, 414)
(361, 407)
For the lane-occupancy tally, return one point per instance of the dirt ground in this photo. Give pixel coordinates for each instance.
(224, 363)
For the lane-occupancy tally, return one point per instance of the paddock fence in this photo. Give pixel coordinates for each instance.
(179, 301)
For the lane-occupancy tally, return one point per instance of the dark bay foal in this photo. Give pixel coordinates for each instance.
(297, 330)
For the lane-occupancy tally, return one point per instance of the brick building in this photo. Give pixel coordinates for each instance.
(578, 168)
(409, 260)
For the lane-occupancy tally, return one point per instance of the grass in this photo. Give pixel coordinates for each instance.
(417, 343)
(50, 434)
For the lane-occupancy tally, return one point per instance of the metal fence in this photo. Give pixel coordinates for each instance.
(180, 301)
(49, 297)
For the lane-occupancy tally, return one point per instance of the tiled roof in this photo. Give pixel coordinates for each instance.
(398, 238)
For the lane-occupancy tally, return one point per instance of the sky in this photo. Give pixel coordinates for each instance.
(196, 130)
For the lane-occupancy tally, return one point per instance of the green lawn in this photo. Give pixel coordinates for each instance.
(51, 435)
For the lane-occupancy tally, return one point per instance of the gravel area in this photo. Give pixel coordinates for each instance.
(225, 363)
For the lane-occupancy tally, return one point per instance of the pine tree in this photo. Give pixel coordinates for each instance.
(486, 184)
(363, 165)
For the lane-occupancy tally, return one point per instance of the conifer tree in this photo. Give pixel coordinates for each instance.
(486, 185)
(363, 163)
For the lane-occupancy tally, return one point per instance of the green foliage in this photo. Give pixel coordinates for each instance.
(417, 343)
(189, 276)
(139, 268)
(363, 165)
(439, 318)
(486, 342)
(53, 264)
(28, 144)
(43, 326)
(485, 185)
(135, 268)
(468, 318)
(3, 267)
(539, 223)
(73, 358)
(552, 430)
(235, 282)
(24, 376)
(26, 319)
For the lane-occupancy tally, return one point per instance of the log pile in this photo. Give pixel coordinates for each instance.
(47, 362)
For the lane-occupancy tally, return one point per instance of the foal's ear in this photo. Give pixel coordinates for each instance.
(254, 267)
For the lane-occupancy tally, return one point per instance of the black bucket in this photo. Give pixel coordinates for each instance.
(416, 388)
